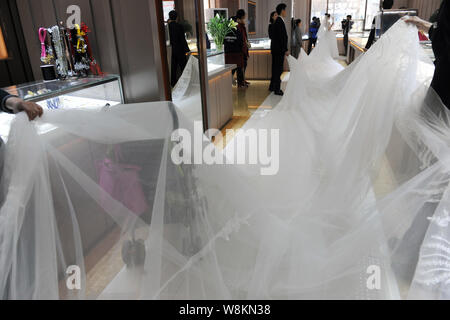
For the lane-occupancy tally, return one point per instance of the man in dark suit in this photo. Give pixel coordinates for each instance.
(347, 26)
(279, 49)
(179, 47)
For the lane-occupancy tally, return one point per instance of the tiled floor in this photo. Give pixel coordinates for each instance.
(246, 102)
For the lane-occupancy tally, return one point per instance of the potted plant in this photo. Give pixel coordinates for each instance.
(219, 27)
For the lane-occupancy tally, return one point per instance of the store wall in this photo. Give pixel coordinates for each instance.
(263, 10)
(16, 69)
(123, 38)
(302, 10)
(426, 7)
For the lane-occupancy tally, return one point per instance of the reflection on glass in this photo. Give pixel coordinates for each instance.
(319, 8)
(373, 7)
(182, 57)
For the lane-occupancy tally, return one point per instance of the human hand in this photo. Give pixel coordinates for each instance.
(33, 110)
(421, 24)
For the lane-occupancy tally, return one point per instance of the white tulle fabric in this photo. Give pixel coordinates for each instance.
(225, 232)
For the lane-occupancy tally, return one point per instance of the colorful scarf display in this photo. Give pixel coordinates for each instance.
(69, 50)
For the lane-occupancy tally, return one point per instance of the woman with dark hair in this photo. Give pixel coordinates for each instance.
(240, 19)
(273, 18)
(179, 47)
(440, 36)
(297, 39)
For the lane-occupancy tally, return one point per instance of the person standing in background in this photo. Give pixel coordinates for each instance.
(279, 49)
(347, 25)
(313, 30)
(297, 39)
(179, 47)
(241, 20)
(234, 53)
(273, 18)
(440, 36)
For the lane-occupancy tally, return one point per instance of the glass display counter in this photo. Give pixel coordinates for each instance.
(216, 60)
(93, 93)
(260, 44)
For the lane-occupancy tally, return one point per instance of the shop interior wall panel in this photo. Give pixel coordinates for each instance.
(15, 69)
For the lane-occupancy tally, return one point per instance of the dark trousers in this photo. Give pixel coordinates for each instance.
(240, 75)
(245, 66)
(346, 43)
(310, 44)
(179, 61)
(277, 71)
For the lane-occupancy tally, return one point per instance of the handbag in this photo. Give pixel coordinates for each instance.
(122, 183)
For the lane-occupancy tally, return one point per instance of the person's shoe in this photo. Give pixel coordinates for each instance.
(279, 93)
(247, 83)
(242, 86)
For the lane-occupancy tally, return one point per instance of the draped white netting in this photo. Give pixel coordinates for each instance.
(313, 230)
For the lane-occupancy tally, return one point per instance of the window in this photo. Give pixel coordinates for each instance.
(362, 12)
(168, 6)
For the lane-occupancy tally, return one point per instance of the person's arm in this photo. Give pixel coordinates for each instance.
(421, 24)
(285, 40)
(12, 104)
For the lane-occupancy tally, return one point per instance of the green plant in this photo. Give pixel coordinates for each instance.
(219, 27)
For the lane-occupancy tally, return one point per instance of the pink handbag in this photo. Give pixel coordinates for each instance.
(121, 182)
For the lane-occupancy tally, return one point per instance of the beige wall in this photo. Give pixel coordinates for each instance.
(426, 7)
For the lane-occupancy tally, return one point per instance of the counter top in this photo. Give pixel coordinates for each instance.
(215, 70)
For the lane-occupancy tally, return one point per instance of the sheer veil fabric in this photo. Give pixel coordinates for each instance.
(319, 229)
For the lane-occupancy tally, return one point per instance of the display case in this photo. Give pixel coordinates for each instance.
(216, 60)
(260, 44)
(387, 18)
(86, 93)
(260, 62)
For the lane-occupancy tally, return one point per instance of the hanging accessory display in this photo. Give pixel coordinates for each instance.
(58, 44)
(67, 52)
(95, 68)
(81, 42)
(82, 64)
(67, 49)
(47, 56)
(42, 37)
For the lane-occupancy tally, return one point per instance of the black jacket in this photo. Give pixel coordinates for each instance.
(178, 39)
(233, 42)
(3, 96)
(440, 36)
(279, 45)
(270, 30)
(347, 26)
